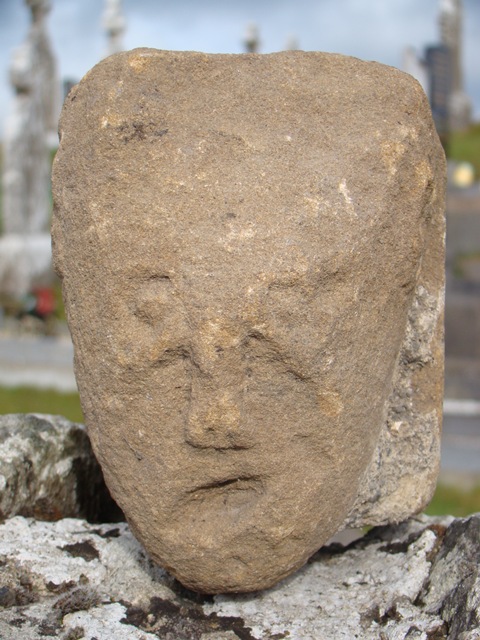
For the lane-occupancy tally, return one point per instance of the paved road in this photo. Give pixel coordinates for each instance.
(38, 362)
(461, 448)
(48, 362)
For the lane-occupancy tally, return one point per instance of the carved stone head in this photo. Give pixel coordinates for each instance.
(251, 253)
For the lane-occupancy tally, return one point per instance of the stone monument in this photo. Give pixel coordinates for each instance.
(251, 40)
(30, 134)
(114, 24)
(30, 129)
(251, 248)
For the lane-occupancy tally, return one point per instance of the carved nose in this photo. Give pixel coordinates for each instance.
(215, 423)
(215, 417)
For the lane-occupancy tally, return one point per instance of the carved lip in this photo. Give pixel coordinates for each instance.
(229, 485)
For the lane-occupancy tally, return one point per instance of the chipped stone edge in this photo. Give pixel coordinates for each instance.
(402, 475)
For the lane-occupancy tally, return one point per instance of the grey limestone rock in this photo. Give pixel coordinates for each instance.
(70, 579)
(251, 250)
(48, 470)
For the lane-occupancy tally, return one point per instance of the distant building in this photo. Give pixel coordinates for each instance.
(438, 61)
(450, 23)
(440, 71)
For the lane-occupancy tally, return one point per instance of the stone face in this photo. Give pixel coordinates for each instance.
(251, 250)
(69, 579)
(48, 471)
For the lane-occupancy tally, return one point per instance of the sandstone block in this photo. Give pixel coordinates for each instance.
(251, 250)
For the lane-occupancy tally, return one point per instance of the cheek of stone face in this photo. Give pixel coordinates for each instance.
(280, 417)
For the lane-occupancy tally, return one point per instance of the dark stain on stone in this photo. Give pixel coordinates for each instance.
(373, 616)
(161, 132)
(17, 597)
(50, 626)
(77, 633)
(326, 552)
(43, 509)
(60, 588)
(17, 622)
(111, 533)
(7, 597)
(440, 633)
(80, 597)
(414, 633)
(140, 131)
(191, 596)
(84, 549)
(401, 546)
(183, 621)
(370, 616)
(17, 589)
(439, 531)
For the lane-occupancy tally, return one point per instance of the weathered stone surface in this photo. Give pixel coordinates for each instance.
(251, 250)
(48, 470)
(69, 579)
(453, 587)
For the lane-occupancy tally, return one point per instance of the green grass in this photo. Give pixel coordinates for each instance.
(464, 146)
(30, 400)
(454, 501)
(461, 260)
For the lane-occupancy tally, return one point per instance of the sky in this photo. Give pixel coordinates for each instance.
(368, 29)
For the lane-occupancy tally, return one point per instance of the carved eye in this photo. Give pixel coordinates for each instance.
(153, 300)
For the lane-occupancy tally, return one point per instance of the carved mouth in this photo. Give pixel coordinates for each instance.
(223, 497)
(229, 485)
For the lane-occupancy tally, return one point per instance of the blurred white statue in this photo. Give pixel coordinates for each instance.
(114, 24)
(252, 38)
(29, 130)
